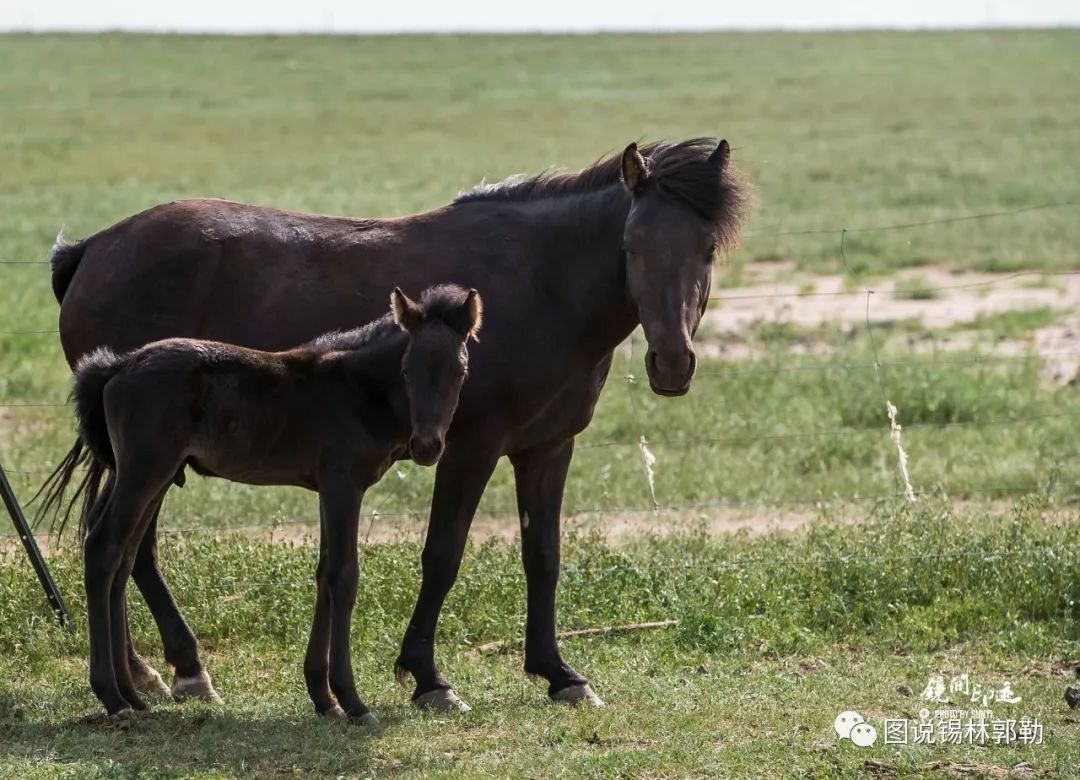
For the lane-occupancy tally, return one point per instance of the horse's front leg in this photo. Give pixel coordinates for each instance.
(460, 479)
(540, 476)
(339, 499)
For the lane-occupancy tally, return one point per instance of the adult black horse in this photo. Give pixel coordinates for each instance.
(571, 263)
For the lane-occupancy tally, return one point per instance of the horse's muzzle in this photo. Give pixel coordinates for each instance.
(670, 371)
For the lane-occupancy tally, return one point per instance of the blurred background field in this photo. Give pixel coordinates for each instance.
(836, 130)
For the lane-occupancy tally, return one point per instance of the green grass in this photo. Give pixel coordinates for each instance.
(1018, 323)
(776, 635)
(836, 130)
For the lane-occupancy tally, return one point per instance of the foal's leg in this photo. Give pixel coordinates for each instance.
(540, 476)
(143, 675)
(340, 499)
(190, 680)
(146, 678)
(317, 658)
(118, 624)
(460, 479)
(103, 554)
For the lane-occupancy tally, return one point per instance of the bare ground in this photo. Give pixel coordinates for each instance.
(830, 301)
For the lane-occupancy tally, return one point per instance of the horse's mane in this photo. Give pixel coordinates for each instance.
(681, 170)
(440, 301)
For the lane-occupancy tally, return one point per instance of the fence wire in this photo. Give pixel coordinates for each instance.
(892, 414)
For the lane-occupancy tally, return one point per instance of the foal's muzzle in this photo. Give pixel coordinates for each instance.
(426, 450)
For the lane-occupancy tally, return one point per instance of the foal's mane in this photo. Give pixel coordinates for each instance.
(681, 170)
(441, 301)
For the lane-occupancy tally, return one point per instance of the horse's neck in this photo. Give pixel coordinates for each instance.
(582, 252)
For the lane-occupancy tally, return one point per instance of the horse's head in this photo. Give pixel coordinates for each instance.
(436, 360)
(687, 203)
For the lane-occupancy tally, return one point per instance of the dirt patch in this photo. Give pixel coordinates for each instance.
(612, 526)
(829, 301)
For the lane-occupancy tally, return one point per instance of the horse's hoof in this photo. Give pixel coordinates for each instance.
(195, 687)
(147, 680)
(121, 716)
(441, 700)
(367, 719)
(334, 712)
(579, 693)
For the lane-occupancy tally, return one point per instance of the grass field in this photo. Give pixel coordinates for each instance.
(776, 636)
(836, 130)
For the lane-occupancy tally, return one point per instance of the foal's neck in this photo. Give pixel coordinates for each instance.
(376, 364)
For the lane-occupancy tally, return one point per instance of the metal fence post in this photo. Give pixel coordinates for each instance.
(56, 601)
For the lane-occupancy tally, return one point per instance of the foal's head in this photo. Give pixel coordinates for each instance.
(436, 360)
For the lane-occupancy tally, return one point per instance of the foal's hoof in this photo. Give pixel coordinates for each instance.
(441, 700)
(195, 687)
(580, 693)
(333, 712)
(147, 680)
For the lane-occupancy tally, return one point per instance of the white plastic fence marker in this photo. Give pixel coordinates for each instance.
(649, 461)
(901, 454)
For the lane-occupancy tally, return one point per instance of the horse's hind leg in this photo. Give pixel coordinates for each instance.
(104, 555)
(121, 632)
(145, 677)
(190, 680)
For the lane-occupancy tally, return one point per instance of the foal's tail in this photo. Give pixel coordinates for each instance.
(92, 373)
(93, 446)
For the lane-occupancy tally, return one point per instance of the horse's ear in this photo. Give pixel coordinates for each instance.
(720, 157)
(474, 313)
(407, 314)
(635, 171)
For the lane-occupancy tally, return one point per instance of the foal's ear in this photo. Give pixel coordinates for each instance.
(719, 158)
(635, 171)
(473, 309)
(407, 313)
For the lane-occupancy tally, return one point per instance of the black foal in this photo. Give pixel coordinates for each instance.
(331, 416)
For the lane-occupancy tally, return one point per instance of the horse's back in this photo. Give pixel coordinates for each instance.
(208, 269)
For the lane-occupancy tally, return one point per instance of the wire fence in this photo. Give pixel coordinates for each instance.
(891, 409)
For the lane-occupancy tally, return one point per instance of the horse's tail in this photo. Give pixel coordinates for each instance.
(64, 261)
(52, 490)
(94, 446)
